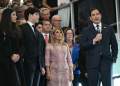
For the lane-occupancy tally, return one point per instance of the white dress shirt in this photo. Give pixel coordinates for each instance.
(100, 27)
(31, 25)
(45, 34)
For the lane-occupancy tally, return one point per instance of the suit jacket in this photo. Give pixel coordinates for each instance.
(82, 61)
(34, 48)
(75, 56)
(94, 50)
(11, 73)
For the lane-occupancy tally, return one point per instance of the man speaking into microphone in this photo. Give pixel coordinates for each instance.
(97, 39)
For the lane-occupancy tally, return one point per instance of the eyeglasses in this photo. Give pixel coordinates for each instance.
(58, 20)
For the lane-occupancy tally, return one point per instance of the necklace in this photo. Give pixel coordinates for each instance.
(71, 46)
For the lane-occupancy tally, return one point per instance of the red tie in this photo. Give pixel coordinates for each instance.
(46, 39)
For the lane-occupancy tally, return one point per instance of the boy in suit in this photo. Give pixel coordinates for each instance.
(35, 48)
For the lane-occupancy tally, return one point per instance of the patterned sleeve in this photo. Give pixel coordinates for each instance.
(47, 55)
(69, 59)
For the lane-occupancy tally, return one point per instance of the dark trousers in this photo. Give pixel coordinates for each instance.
(76, 80)
(32, 73)
(43, 81)
(83, 80)
(105, 69)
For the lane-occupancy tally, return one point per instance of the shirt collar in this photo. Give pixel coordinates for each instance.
(45, 34)
(97, 24)
(29, 23)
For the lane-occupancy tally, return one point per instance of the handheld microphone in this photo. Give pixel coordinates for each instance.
(98, 30)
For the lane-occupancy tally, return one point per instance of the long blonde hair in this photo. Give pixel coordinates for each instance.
(53, 39)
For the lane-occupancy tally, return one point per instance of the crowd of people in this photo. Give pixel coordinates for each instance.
(36, 51)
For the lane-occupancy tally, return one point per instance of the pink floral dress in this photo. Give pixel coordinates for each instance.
(59, 60)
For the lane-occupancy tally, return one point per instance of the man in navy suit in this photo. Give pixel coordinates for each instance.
(97, 39)
(35, 48)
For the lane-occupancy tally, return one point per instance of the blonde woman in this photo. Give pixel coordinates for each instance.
(58, 61)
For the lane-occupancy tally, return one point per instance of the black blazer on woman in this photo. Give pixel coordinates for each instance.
(11, 73)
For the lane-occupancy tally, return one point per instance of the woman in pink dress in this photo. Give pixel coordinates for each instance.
(58, 61)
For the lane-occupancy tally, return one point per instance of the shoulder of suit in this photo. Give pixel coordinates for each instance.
(87, 28)
(23, 25)
(105, 25)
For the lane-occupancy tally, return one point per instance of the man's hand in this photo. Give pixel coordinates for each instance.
(15, 57)
(97, 38)
(43, 71)
(86, 75)
(61, 4)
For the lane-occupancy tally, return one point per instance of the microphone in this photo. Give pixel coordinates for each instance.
(98, 30)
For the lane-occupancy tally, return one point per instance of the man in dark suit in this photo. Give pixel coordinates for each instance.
(46, 35)
(35, 48)
(97, 39)
(46, 30)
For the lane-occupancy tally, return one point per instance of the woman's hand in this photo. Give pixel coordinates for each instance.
(71, 76)
(61, 4)
(74, 66)
(48, 76)
(15, 57)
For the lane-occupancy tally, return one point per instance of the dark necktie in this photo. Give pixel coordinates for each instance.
(35, 31)
(98, 28)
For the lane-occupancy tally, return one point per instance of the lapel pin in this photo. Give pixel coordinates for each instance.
(104, 27)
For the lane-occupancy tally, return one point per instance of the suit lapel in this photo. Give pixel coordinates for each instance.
(31, 31)
(104, 28)
(92, 29)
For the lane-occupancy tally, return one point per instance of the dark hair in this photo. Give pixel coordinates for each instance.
(92, 10)
(45, 20)
(6, 25)
(40, 22)
(28, 1)
(65, 32)
(17, 9)
(30, 11)
(15, 3)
